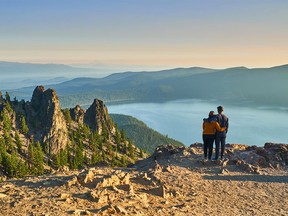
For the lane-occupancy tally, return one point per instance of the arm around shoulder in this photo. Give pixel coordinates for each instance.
(219, 128)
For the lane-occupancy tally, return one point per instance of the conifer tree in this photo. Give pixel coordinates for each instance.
(113, 160)
(67, 116)
(63, 157)
(105, 133)
(78, 159)
(118, 137)
(131, 150)
(103, 156)
(7, 125)
(95, 157)
(7, 97)
(2, 148)
(56, 160)
(123, 160)
(10, 163)
(35, 156)
(86, 131)
(22, 169)
(24, 128)
(18, 141)
(123, 135)
(8, 141)
(110, 149)
(39, 159)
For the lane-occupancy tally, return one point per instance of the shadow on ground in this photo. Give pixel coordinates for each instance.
(254, 178)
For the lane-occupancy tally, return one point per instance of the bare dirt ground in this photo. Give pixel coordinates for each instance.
(178, 184)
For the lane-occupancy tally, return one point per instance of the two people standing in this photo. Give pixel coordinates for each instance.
(215, 128)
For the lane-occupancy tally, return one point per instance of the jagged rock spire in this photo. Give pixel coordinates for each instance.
(96, 117)
(77, 114)
(47, 119)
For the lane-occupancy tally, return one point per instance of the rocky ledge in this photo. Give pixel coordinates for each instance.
(173, 181)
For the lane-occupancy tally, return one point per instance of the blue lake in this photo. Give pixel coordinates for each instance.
(182, 120)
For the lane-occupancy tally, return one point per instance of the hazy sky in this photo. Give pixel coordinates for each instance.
(160, 33)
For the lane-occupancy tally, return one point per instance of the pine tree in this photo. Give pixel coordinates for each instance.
(7, 97)
(22, 169)
(95, 157)
(10, 163)
(7, 125)
(8, 141)
(24, 128)
(35, 156)
(124, 160)
(79, 159)
(113, 160)
(56, 160)
(63, 157)
(110, 149)
(67, 116)
(105, 133)
(2, 148)
(39, 159)
(131, 150)
(123, 135)
(118, 137)
(103, 156)
(18, 141)
(86, 131)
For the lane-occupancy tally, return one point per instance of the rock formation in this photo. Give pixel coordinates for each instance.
(97, 118)
(77, 114)
(47, 120)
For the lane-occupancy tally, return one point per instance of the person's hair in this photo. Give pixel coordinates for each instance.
(220, 108)
(211, 113)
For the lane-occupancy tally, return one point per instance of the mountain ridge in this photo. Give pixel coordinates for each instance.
(231, 85)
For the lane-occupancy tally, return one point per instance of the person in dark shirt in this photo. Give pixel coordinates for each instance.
(221, 136)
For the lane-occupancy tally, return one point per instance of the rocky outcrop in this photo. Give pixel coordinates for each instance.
(47, 121)
(271, 155)
(77, 114)
(97, 118)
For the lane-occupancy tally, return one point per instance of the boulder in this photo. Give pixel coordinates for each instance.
(72, 182)
(100, 196)
(86, 177)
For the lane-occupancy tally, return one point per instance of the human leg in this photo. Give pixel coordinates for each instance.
(210, 147)
(217, 145)
(223, 142)
(205, 146)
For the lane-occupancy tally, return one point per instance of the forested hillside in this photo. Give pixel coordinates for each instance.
(141, 135)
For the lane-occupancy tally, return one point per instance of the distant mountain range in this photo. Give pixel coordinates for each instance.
(259, 86)
(18, 75)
